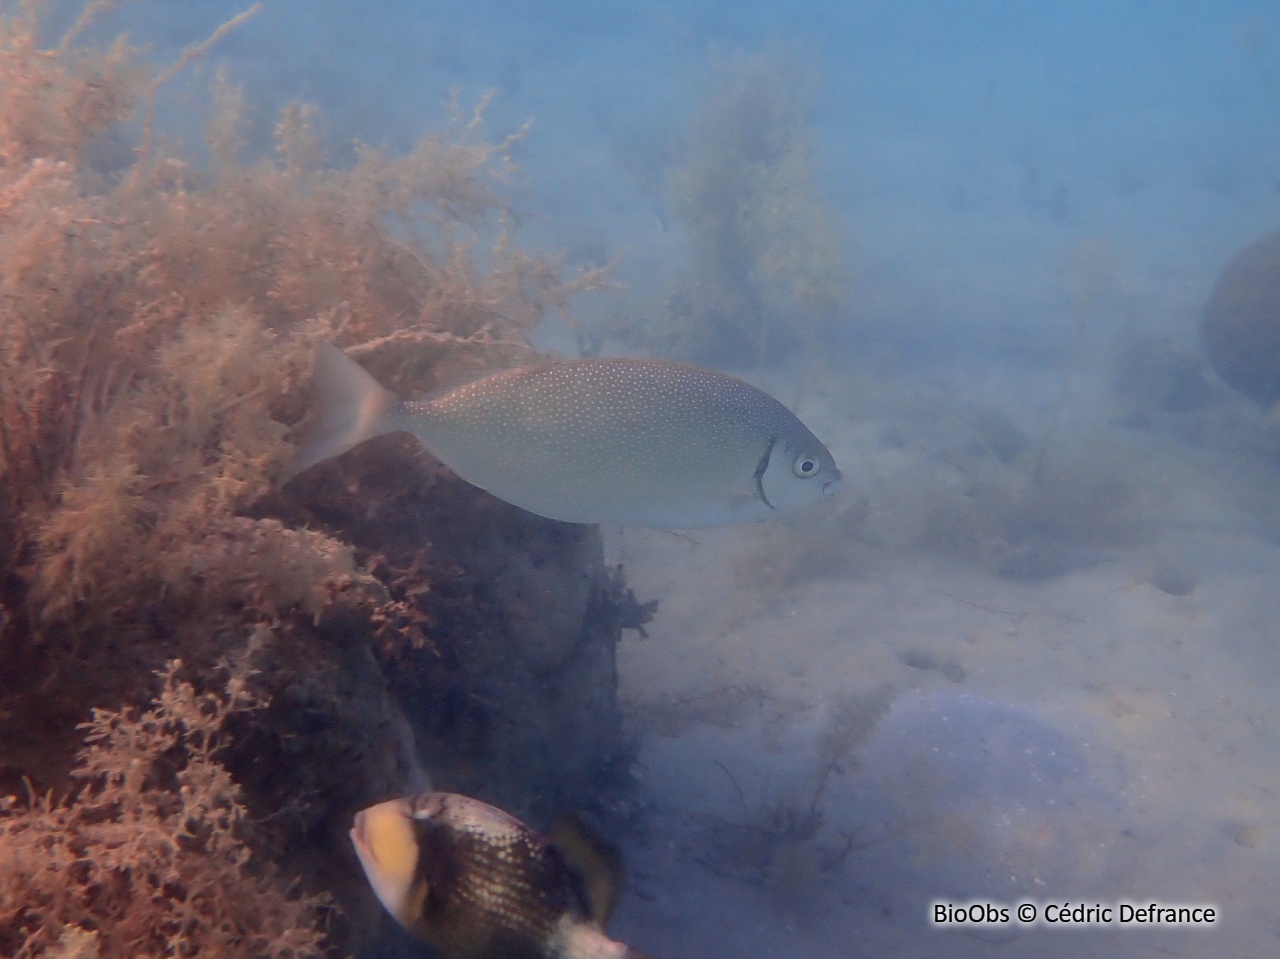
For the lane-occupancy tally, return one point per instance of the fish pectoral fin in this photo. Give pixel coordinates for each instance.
(595, 860)
(414, 908)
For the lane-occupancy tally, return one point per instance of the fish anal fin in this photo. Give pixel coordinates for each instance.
(596, 861)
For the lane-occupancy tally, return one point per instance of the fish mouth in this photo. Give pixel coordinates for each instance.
(357, 834)
(830, 486)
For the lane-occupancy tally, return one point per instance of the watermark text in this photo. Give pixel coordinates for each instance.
(1069, 913)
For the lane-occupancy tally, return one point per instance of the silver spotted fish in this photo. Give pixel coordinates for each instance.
(636, 442)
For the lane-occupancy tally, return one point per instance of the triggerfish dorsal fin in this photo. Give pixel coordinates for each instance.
(349, 406)
(597, 862)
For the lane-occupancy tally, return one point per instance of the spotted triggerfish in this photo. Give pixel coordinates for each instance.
(629, 441)
(476, 883)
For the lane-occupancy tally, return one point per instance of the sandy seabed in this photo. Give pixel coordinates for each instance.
(1097, 735)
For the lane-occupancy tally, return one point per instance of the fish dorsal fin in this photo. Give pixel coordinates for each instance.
(596, 860)
(454, 377)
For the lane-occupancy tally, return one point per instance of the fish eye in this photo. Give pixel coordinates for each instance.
(805, 466)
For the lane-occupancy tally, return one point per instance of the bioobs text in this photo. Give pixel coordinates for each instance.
(1055, 913)
(975, 914)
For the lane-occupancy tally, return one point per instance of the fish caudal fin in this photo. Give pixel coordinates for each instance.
(348, 407)
(596, 861)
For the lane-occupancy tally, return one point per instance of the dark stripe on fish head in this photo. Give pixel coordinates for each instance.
(763, 467)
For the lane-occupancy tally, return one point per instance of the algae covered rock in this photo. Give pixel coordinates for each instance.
(155, 351)
(499, 641)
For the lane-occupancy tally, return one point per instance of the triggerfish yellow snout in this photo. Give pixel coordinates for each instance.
(635, 442)
(476, 883)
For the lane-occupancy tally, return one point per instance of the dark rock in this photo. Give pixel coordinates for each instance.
(1240, 331)
(1174, 580)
